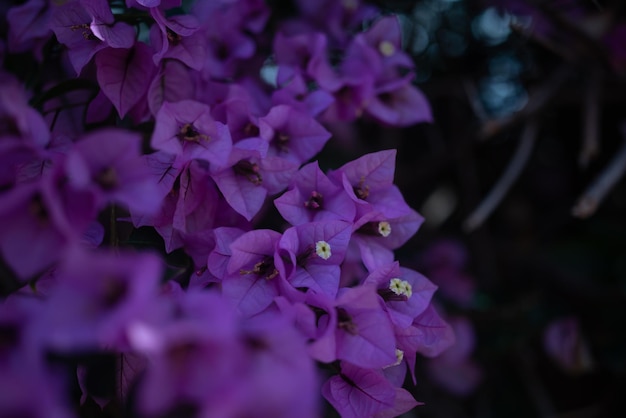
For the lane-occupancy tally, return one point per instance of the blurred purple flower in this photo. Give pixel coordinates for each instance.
(454, 369)
(565, 344)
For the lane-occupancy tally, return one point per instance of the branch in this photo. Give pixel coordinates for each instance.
(591, 117)
(593, 196)
(512, 172)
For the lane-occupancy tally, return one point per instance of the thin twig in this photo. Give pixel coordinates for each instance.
(534, 385)
(593, 196)
(555, 47)
(474, 100)
(591, 118)
(512, 172)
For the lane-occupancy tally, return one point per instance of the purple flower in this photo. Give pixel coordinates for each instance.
(297, 95)
(292, 135)
(177, 38)
(39, 220)
(310, 255)
(189, 368)
(351, 98)
(17, 118)
(87, 27)
(363, 393)
(428, 335)
(385, 36)
(171, 84)
(29, 27)
(304, 56)
(402, 105)
(109, 162)
(376, 237)
(186, 128)
(218, 258)
(125, 75)
(253, 279)
(369, 181)
(406, 293)
(189, 212)
(354, 328)
(565, 344)
(228, 44)
(97, 296)
(281, 379)
(314, 197)
(249, 177)
(337, 18)
(454, 368)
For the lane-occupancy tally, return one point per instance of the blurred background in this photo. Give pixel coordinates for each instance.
(519, 179)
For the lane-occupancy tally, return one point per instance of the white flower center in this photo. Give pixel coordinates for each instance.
(386, 48)
(322, 249)
(401, 287)
(384, 228)
(399, 358)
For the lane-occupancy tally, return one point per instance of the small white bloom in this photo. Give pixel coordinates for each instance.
(401, 287)
(399, 358)
(322, 249)
(384, 228)
(395, 285)
(408, 289)
(386, 48)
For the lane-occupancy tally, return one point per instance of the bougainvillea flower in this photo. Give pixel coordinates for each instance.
(359, 393)
(314, 197)
(292, 135)
(297, 95)
(339, 19)
(406, 293)
(376, 236)
(429, 335)
(385, 36)
(226, 46)
(189, 210)
(217, 262)
(39, 220)
(310, 255)
(124, 75)
(87, 27)
(565, 344)
(29, 27)
(18, 385)
(253, 279)
(109, 162)
(171, 84)
(236, 112)
(351, 98)
(17, 118)
(454, 369)
(97, 296)
(186, 128)
(369, 181)
(177, 38)
(399, 106)
(179, 351)
(304, 55)
(354, 328)
(249, 177)
(281, 379)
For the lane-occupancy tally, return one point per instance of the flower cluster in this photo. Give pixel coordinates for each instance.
(183, 136)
